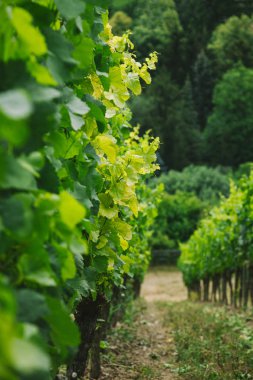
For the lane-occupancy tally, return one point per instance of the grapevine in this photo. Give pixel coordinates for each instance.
(75, 213)
(219, 253)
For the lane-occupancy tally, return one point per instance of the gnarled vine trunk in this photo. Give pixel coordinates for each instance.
(86, 316)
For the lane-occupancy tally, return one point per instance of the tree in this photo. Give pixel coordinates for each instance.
(200, 17)
(126, 6)
(232, 43)
(180, 31)
(120, 22)
(229, 132)
(187, 140)
(156, 27)
(203, 83)
(169, 111)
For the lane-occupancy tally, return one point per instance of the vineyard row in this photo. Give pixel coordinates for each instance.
(75, 212)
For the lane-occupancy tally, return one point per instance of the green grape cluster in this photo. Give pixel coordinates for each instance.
(75, 213)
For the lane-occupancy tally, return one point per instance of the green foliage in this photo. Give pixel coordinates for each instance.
(75, 215)
(229, 133)
(125, 5)
(223, 240)
(231, 43)
(203, 83)
(148, 34)
(120, 22)
(165, 109)
(169, 111)
(200, 18)
(178, 217)
(211, 343)
(206, 183)
(188, 195)
(197, 42)
(243, 170)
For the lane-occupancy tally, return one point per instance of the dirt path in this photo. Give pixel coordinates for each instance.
(143, 348)
(163, 284)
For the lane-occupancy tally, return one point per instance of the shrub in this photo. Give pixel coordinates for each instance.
(206, 183)
(178, 216)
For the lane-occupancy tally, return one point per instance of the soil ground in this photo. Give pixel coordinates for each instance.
(143, 348)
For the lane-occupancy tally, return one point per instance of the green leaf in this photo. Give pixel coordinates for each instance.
(58, 70)
(41, 73)
(81, 285)
(31, 305)
(107, 207)
(127, 262)
(94, 181)
(103, 344)
(43, 94)
(64, 332)
(13, 175)
(17, 216)
(78, 245)
(77, 106)
(68, 266)
(102, 242)
(106, 144)
(76, 121)
(70, 9)
(98, 111)
(14, 132)
(15, 104)
(81, 194)
(60, 46)
(32, 270)
(91, 276)
(36, 159)
(66, 147)
(84, 52)
(123, 229)
(133, 83)
(31, 37)
(28, 166)
(29, 357)
(100, 263)
(44, 3)
(35, 267)
(72, 212)
(123, 243)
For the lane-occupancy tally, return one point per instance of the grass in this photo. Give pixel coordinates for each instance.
(211, 342)
(132, 354)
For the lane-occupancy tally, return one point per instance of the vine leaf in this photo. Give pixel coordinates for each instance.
(70, 9)
(72, 212)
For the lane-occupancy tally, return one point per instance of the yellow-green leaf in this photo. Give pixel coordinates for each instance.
(123, 243)
(107, 207)
(41, 73)
(30, 35)
(71, 211)
(102, 242)
(133, 83)
(123, 229)
(68, 269)
(133, 205)
(106, 144)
